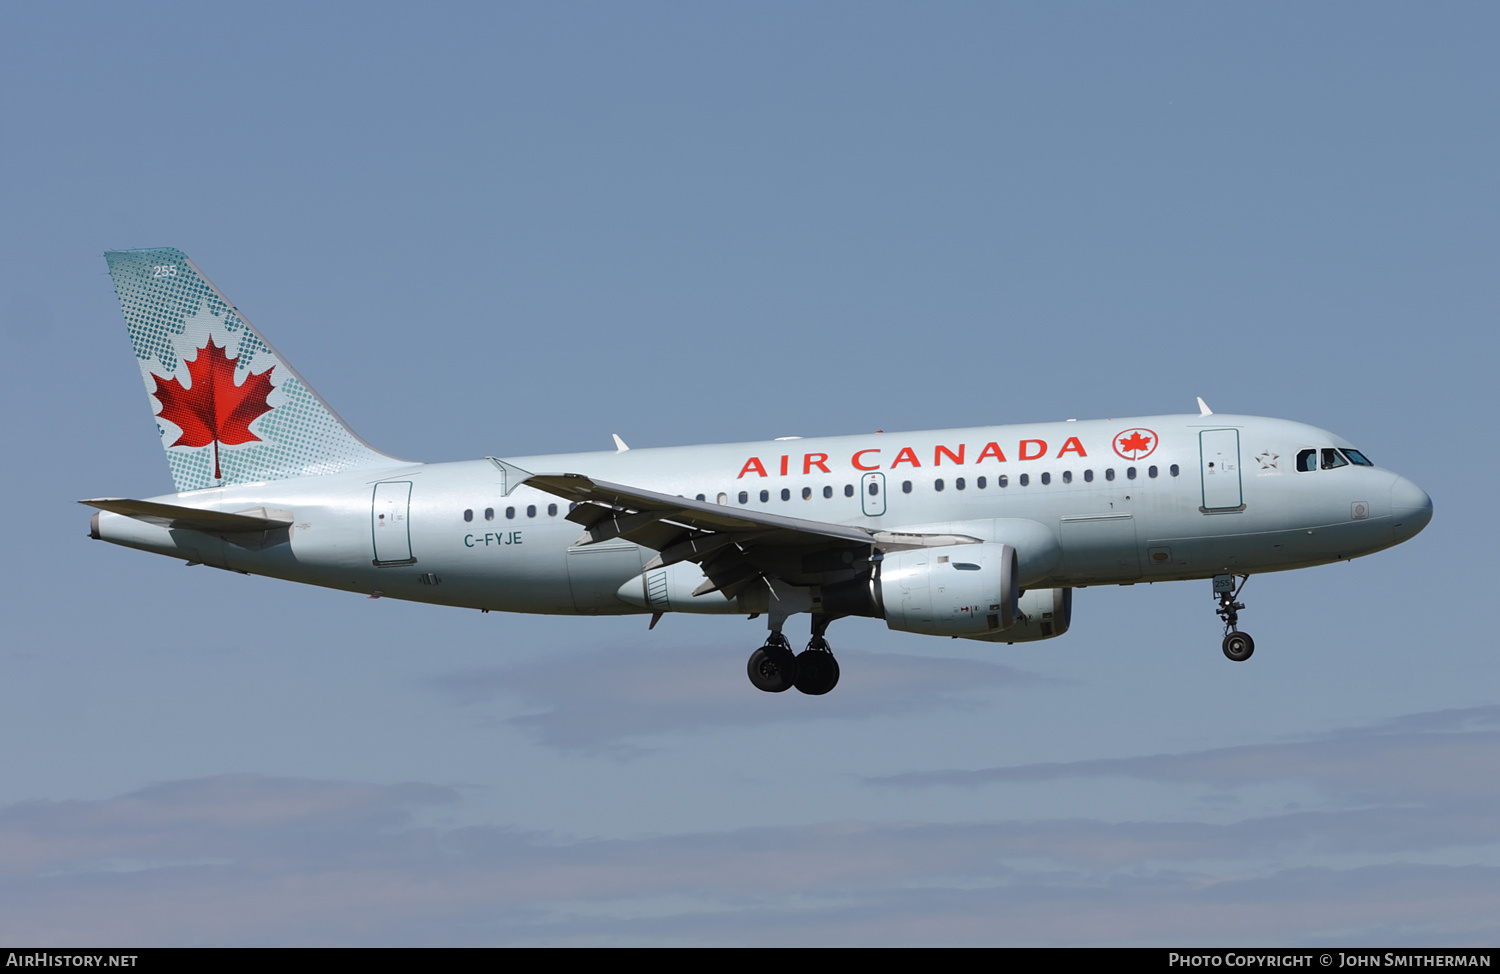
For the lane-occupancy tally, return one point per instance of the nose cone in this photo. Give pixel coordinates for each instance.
(1411, 509)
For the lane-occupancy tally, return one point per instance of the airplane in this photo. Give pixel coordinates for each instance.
(979, 533)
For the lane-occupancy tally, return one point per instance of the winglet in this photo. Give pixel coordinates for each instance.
(1203, 409)
(620, 446)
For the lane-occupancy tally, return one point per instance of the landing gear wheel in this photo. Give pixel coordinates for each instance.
(817, 671)
(772, 668)
(1238, 646)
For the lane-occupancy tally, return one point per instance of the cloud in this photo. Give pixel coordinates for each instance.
(1449, 755)
(597, 701)
(204, 819)
(255, 860)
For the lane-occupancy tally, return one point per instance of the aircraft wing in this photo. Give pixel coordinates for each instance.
(734, 545)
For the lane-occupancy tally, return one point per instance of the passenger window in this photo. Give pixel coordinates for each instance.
(531, 510)
(1067, 476)
(1024, 480)
(1130, 473)
(1046, 478)
(786, 494)
(723, 498)
(937, 485)
(1357, 458)
(1088, 476)
(905, 488)
(980, 483)
(765, 495)
(958, 483)
(489, 513)
(1307, 460)
(1332, 459)
(1109, 473)
(849, 490)
(572, 506)
(827, 492)
(806, 493)
(510, 513)
(1002, 481)
(552, 510)
(875, 488)
(468, 515)
(1151, 472)
(1173, 469)
(744, 497)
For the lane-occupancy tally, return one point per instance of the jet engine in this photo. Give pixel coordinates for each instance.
(1042, 613)
(954, 590)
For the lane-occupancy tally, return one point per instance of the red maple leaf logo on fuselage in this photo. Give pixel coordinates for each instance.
(1135, 444)
(213, 409)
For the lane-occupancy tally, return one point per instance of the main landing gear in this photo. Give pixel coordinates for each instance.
(817, 670)
(1238, 646)
(774, 668)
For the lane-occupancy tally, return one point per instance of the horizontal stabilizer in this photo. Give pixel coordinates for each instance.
(188, 518)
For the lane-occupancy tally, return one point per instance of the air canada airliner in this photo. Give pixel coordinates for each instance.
(980, 533)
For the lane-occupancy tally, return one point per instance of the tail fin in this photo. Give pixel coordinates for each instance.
(229, 408)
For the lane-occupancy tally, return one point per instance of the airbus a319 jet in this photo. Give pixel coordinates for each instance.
(978, 533)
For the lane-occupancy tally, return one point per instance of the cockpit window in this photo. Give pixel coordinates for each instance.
(1357, 458)
(1307, 460)
(1332, 458)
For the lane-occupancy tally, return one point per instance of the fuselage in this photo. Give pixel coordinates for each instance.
(1112, 501)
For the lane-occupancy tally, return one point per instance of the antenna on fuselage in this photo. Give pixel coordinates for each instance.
(620, 446)
(1203, 409)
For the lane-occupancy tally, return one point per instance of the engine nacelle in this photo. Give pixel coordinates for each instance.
(1042, 613)
(956, 590)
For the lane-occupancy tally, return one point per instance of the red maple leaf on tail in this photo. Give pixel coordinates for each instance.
(214, 409)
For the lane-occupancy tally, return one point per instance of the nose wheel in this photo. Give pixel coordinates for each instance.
(1238, 646)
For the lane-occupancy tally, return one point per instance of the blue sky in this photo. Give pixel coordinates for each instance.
(508, 230)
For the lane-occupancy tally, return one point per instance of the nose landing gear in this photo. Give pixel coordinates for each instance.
(1238, 646)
